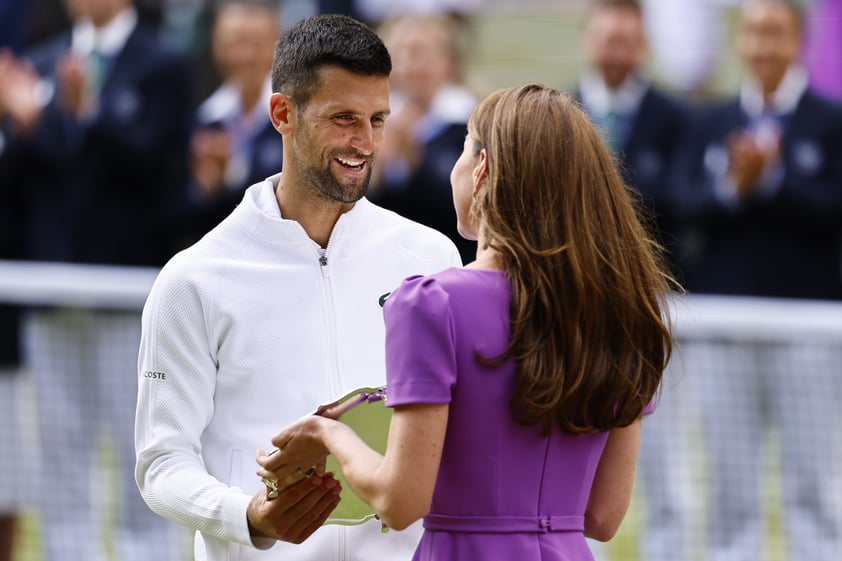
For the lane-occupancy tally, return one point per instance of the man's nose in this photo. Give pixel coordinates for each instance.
(363, 139)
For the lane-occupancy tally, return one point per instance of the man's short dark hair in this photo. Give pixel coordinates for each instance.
(325, 40)
(796, 8)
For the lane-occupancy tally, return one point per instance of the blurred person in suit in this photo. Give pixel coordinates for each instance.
(234, 144)
(760, 182)
(97, 124)
(426, 131)
(642, 125)
(12, 19)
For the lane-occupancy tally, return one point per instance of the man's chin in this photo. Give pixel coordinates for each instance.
(353, 190)
(350, 198)
(348, 193)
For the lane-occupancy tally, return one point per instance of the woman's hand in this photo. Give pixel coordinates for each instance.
(300, 452)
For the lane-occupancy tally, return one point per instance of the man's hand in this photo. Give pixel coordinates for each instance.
(18, 99)
(399, 144)
(298, 511)
(748, 159)
(210, 150)
(7, 60)
(71, 90)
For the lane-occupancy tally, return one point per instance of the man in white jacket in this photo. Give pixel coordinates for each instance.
(277, 310)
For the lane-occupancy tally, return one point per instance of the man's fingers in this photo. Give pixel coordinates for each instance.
(306, 494)
(303, 494)
(308, 531)
(310, 521)
(298, 509)
(303, 507)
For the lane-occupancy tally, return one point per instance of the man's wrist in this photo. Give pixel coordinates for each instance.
(254, 532)
(259, 539)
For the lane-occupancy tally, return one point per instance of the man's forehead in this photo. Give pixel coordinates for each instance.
(341, 89)
(763, 10)
(334, 71)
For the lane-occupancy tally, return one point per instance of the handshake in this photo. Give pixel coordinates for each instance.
(304, 487)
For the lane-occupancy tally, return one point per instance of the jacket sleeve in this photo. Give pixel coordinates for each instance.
(143, 121)
(700, 161)
(811, 190)
(157, 131)
(177, 379)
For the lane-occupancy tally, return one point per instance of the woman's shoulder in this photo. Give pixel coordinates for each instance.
(455, 281)
(451, 288)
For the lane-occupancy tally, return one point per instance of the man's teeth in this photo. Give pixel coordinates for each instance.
(351, 163)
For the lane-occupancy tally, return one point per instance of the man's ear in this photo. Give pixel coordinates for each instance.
(282, 112)
(480, 170)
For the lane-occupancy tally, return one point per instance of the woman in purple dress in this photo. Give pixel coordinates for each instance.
(518, 383)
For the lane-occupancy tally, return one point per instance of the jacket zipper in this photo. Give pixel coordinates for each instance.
(333, 383)
(333, 380)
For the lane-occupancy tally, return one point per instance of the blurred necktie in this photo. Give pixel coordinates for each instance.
(767, 130)
(94, 78)
(612, 123)
(96, 71)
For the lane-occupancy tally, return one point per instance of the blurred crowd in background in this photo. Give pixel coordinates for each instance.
(129, 129)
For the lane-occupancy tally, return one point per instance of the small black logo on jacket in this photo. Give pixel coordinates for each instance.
(152, 375)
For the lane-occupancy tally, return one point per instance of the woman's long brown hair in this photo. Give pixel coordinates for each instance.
(589, 328)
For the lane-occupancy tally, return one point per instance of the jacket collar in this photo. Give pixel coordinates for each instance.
(599, 99)
(224, 104)
(109, 40)
(784, 100)
(267, 222)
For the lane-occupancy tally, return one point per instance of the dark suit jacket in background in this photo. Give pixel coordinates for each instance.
(11, 230)
(266, 160)
(786, 245)
(426, 195)
(646, 160)
(109, 190)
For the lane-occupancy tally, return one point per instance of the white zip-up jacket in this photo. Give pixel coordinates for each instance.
(248, 330)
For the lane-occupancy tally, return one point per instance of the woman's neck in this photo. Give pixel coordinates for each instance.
(487, 257)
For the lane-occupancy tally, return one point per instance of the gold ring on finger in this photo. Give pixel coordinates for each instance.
(271, 488)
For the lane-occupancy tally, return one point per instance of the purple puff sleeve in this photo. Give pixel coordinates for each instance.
(420, 355)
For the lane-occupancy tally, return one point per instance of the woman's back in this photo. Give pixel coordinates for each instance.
(502, 488)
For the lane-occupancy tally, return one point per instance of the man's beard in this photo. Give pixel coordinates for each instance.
(329, 187)
(323, 179)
